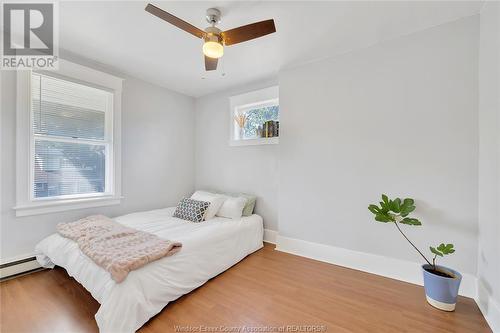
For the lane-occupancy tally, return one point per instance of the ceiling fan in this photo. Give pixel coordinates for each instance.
(214, 38)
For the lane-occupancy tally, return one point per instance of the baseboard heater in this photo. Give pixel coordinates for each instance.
(18, 267)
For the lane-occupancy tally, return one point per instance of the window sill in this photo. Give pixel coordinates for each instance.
(37, 208)
(253, 142)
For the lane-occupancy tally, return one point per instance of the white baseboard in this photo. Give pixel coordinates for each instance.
(17, 267)
(270, 236)
(489, 307)
(398, 269)
(23, 256)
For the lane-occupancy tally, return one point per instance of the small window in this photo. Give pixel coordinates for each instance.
(70, 138)
(255, 117)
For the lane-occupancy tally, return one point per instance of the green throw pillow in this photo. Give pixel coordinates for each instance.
(250, 205)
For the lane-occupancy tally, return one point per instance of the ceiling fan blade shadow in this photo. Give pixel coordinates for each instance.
(248, 32)
(174, 20)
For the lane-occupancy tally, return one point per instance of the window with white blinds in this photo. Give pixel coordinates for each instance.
(72, 139)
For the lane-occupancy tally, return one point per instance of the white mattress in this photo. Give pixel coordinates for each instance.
(208, 249)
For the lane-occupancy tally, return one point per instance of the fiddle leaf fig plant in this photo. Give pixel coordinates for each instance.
(397, 211)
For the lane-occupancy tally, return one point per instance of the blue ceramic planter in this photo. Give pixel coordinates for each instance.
(441, 292)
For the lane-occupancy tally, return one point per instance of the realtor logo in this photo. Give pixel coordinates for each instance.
(29, 36)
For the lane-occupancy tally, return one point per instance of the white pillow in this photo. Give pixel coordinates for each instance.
(232, 207)
(215, 200)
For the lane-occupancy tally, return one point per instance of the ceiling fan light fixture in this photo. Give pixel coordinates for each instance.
(213, 49)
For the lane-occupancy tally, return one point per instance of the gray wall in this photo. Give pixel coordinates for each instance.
(489, 156)
(397, 118)
(251, 169)
(157, 161)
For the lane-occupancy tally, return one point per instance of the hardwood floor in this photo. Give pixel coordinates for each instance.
(267, 289)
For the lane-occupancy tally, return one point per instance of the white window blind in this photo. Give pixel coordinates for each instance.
(72, 140)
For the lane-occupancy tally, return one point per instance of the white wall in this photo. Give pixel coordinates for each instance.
(250, 169)
(157, 161)
(399, 118)
(489, 163)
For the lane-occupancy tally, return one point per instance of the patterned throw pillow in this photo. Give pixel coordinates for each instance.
(191, 210)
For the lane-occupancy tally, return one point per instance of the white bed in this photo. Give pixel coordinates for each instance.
(208, 249)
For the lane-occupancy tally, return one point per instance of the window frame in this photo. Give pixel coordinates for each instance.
(262, 97)
(26, 203)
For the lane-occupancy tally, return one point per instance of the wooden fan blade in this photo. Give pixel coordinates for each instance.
(174, 20)
(248, 32)
(210, 63)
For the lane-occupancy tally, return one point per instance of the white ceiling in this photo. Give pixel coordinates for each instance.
(120, 34)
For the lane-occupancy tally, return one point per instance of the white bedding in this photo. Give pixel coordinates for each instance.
(208, 249)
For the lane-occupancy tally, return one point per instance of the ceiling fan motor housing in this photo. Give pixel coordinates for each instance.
(213, 35)
(213, 16)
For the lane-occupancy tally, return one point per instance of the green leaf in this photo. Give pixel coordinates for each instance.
(385, 199)
(410, 221)
(407, 207)
(381, 213)
(374, 209)
(408, 202)
(396, 205)
(383, 218)
(383, 207)
(446, 249)
(436, 252)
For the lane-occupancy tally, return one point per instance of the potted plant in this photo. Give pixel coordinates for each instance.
(441, 283)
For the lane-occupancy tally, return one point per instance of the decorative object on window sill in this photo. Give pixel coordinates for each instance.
(441, 283)
(259, 132)
(270, 129)
(240, 119)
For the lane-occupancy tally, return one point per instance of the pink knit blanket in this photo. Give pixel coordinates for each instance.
(115, 247)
